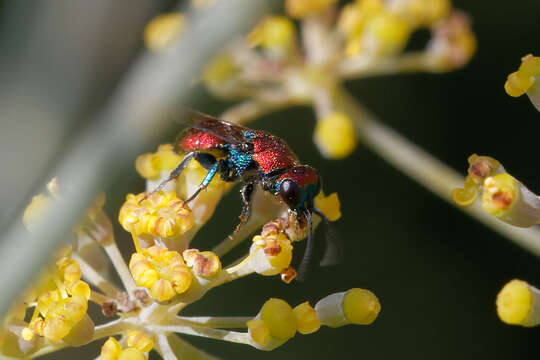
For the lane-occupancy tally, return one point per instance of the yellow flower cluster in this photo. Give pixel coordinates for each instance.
(62, 300)
(158, 214)
(161, 271)
(277, 321)
(138, 346)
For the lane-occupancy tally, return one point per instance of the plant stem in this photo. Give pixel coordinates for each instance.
(215, 322)
(95, 278)
(121, 267)
(218, 334)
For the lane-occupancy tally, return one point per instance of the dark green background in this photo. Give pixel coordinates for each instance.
(435, 271)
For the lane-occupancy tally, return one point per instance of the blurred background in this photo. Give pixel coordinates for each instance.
(435, 270)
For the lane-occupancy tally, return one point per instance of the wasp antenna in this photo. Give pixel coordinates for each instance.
(320, 213)
(306, 260)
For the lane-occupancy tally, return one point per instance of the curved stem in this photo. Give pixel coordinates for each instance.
(218, 334)
(215, 321)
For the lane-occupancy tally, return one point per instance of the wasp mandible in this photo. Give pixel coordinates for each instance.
(251, 157)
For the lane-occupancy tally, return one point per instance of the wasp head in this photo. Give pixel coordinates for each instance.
(298, 187)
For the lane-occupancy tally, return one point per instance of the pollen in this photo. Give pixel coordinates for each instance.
(159, 214)
(334, 135)
(204, 264)
(161, 271)
(329, 205)
(163, 30)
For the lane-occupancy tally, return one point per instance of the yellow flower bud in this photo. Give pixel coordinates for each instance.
(273, 32)
(111, 349)
(518, 303)
(334, 135)
(356, 306)
(280, 319)
(139, 340)
(361, 306)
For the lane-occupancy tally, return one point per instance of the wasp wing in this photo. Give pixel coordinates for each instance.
(224, 130)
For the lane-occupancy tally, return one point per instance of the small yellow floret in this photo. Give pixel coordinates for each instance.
(354, 16)
(361, 306)
(277, 253)
(273, 32)
(306, 319)
(280, 319)
(111, 349)
(161, 271)
(500, 192)
(160, 214)
(519, 82)
(329, 205)
(162, 30)
(205, 264)
(389, 32)
(258, 331)
(334, 135)
(139, 340)
(303, 8)
(514, 302)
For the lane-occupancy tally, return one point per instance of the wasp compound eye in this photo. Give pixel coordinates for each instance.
(291, 193)
(247, 147)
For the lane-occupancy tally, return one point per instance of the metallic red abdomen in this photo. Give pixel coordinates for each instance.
(272, 153)
(198, 140)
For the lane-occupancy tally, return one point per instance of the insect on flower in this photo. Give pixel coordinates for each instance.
(252, 157)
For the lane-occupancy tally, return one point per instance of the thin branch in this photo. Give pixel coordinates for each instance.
(95, 278)
(215, 321)
(185, 350)
(363, 66)
(121, 267)
(164, 348)
(218, 334)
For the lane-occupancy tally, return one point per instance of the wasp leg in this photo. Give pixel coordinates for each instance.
(174, 174)
(246, 192)
(204, 183)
